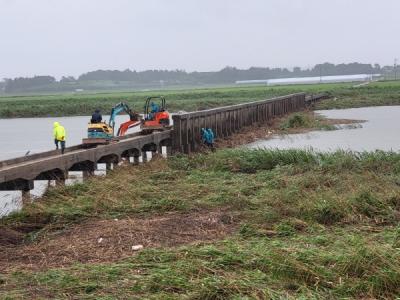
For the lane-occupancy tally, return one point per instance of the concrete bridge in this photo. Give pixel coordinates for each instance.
(20, 173)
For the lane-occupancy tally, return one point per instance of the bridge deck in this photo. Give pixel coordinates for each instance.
(31, 167)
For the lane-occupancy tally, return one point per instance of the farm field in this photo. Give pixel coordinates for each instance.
(380, 93)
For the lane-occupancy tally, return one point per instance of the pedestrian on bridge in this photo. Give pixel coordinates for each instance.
(59, 136)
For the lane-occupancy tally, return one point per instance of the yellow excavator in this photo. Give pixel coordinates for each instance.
(101, 133)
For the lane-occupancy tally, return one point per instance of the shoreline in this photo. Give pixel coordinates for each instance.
(271, 129)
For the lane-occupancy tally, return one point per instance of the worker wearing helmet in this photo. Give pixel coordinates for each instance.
(59, 136)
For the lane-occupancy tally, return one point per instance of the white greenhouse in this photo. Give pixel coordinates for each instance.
(313, 80)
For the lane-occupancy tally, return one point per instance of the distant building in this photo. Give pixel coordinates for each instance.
(313, 80)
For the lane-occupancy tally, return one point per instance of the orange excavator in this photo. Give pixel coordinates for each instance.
(156, 115)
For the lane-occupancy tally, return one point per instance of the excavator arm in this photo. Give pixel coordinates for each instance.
(134, 118)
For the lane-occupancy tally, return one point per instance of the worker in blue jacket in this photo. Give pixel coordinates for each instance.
(211, 137)
(204, 136)
(207, 137)
(154, 109)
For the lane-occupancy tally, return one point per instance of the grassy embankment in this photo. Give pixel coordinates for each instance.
(290, 224)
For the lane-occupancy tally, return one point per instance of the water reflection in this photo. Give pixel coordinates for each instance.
(380, 132)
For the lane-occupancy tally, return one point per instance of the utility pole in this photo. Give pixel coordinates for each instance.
(395, 69)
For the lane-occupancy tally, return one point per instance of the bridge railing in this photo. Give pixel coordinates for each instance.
(225, 121)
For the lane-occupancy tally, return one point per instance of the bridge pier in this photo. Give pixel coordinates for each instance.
(136, 159)
(159, 149)
(88, 172)
(144, 155)
(26, 196)
(23, 185)
(86, 167)
(17, 185)
(134, 156)
(60, 181)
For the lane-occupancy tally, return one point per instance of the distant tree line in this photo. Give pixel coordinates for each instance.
(109, 79)
(229, 74)
(21, 83)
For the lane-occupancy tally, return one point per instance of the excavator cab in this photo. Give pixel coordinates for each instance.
(156, 116)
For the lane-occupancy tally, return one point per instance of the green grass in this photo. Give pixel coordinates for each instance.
(312, 226)
(380, 93)
(305, 121)
(188, 100)
(374, 94)
(228, 177)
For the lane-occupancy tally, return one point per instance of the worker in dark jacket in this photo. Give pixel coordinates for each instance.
(96, 117)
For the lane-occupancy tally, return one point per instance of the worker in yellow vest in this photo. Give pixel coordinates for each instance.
(59, 136)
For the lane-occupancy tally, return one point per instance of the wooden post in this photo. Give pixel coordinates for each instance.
(177, 133)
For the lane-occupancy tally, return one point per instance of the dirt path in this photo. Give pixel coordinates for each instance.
(100, 241)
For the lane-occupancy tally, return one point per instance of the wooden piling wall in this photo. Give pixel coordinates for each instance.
(224, 121)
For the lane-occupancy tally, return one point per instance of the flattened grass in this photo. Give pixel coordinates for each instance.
(318, 265)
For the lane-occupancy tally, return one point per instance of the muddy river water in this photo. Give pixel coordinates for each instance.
(380, 131)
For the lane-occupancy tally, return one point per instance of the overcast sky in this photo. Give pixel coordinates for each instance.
(70, 37)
